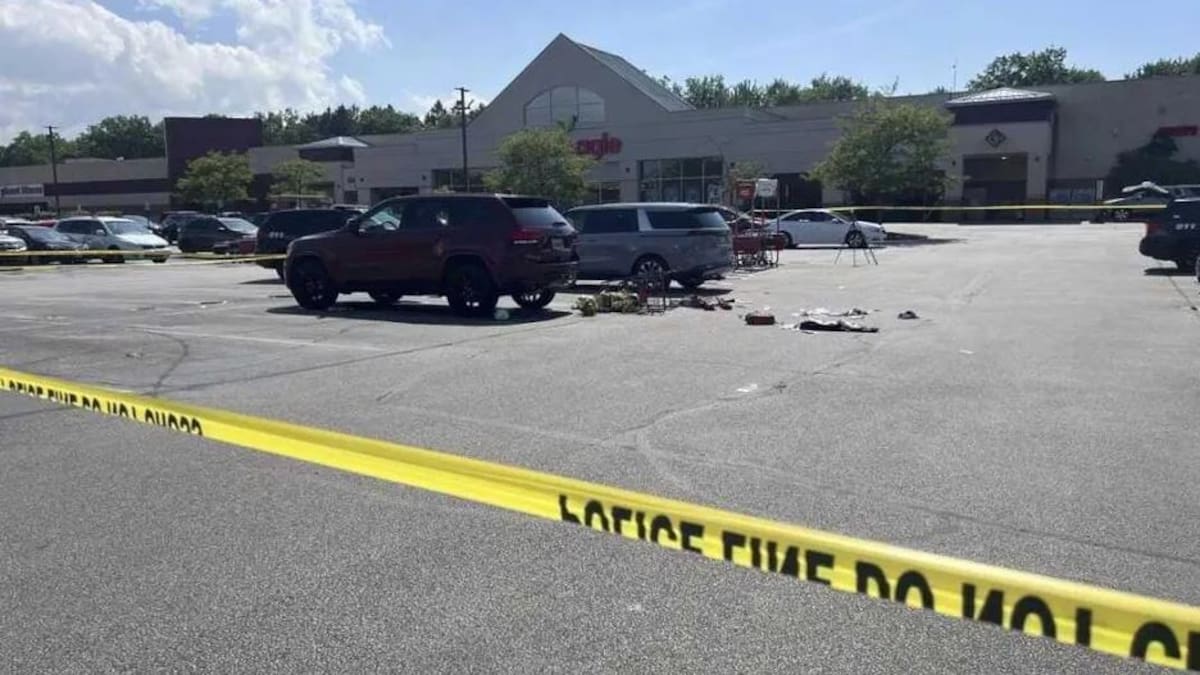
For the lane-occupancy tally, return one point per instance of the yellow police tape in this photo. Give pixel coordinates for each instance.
(1105, 620)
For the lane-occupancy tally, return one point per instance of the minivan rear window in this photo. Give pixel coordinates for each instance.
(686, 219)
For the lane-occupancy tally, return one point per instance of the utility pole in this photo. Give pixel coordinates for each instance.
(462, 120)
(54, 172)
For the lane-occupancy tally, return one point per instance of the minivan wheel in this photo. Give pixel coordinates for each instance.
(787, 240)
(311, 286)
(470, 291)
(116, 258)
(855, 239)
(385, 298)
(533, 299)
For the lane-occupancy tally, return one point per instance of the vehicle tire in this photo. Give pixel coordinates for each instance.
(160, 260)
(118, 259)
(856, 239)
(533, 299)
(691, 283)
(384, 298)
(470, 290)
(1188, 262)
(787, 240)
(652, 267)
(311, 286)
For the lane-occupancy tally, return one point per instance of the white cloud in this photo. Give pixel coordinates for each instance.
(72, 62)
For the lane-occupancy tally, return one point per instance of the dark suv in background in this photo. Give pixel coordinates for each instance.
(470, 248)
(1174, 234)
(280, 228)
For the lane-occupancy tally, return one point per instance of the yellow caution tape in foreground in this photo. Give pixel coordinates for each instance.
(1105, 620)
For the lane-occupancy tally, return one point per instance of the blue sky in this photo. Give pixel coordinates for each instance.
(160, 57)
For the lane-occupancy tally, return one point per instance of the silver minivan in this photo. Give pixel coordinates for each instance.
(689, 243)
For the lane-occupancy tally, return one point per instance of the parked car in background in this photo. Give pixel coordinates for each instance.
(203, 233)
(812, 227)
(9, 247)
(104, 233)
(38, 238)
(1173, 234)
(144, 221)
(689, 243)
(172, 220)
(280, 228)
(472, 248)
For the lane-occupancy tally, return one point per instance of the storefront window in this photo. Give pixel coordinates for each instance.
(690, 179)
(451, 180)
(608, 192)
(574, 106)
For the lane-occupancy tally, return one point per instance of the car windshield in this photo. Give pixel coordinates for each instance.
(239, 225)
(125, 227)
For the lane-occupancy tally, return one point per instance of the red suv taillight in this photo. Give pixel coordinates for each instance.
(524, 236)
(1152, 226)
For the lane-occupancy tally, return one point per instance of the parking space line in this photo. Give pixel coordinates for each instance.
(249, 338)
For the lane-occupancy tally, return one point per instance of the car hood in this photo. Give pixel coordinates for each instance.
(309, 240)
(9, 240)
(143, 239)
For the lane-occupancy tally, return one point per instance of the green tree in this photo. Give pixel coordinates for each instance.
(1167, 68)
(1049, 66)
(286, 127)
(125, 136)
(541, 162)
(386, 120)
(782, 92)
(889, 152)
(441, 117)
(216, 179)
(747, 93)
(706, 92)
(296, 177)
(836, 88)
(1152, 162)
(28, 149)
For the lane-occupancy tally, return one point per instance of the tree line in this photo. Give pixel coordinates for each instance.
(136, 137)
(1037, 68)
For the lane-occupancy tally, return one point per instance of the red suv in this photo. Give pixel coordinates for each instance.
(471, 248)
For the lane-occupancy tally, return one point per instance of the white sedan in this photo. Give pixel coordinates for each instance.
(808, 227)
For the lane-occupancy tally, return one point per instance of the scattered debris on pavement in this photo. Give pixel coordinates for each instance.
(907, 314)
(707, 305)
(586, 305)
(830, 326)
(760, 318)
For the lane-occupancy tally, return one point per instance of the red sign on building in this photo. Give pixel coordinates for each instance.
(598, 147)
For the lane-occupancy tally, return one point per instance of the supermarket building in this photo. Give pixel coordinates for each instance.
(1053, 144)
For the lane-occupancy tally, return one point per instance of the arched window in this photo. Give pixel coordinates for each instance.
(575, 106)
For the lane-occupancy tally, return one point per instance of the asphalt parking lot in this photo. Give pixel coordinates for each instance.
(1038, 415)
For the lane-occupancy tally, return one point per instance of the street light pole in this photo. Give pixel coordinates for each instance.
(462, 121)
(54, 172)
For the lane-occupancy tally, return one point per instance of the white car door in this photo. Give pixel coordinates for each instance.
(828, 229)
(801, 229)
